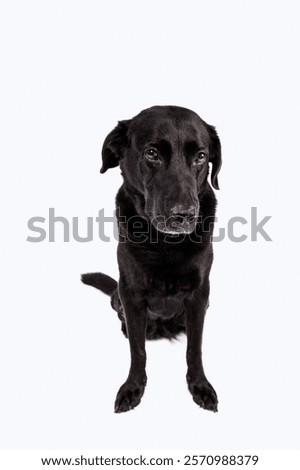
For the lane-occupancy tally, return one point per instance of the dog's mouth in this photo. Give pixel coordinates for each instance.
(174, 225)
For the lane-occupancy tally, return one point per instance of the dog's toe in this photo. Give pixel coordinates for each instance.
(128, 397)
(204, 395)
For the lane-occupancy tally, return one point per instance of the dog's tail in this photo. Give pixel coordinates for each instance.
(100, 281)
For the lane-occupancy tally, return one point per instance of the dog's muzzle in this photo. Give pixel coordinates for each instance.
(182, 220)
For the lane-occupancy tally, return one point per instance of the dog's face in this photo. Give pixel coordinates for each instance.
(164, 154)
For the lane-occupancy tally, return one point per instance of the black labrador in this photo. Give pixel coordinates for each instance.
(165, 211)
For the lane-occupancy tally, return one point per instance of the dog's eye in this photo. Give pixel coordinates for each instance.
(151, 154)
(200, 159)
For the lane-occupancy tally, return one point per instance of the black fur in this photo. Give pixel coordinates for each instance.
(101, 281)
(165, 211)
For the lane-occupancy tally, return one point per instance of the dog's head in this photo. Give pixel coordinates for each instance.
(164, 154)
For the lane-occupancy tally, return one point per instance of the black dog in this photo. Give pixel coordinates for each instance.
(165, 210)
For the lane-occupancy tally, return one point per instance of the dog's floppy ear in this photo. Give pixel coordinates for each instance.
(215, 155)
(114, 146)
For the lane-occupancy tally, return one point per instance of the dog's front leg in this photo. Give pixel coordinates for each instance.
(202, 391)
(131, 392)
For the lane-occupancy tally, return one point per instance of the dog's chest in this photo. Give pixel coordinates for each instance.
(167, 291)
(164, 307)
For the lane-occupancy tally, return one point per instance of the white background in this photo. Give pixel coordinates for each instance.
(69, 71)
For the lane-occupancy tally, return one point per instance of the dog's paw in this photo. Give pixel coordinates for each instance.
(128, 397)
(204, 395)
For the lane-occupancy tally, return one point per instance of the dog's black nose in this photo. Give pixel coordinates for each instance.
(182, 213)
